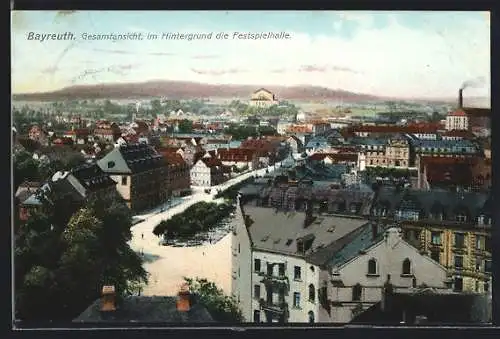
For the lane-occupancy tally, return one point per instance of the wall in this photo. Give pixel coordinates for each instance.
(308, 276)
(389, 254)
(200, 174)
(241, 285)
(124, 190)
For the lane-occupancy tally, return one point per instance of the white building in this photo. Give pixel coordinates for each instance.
(272, 278)
(356, 275)
(291, 267)
(263, 98)
(457, 120)
(207, 172)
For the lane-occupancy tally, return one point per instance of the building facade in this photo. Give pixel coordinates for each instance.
(263, 98)
(140, 174)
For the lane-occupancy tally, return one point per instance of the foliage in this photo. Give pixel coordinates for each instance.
(185, 126)
(199, 217)
(65, 253)
(242, 132)
(25, 168)
(232, 192)
(222, 308)
(388, 172)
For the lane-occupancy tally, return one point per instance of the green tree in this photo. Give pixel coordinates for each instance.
(222, 308)
(25, 168)
(185, 126)
(63, 257)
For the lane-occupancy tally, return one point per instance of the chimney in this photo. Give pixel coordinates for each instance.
(108, 299)
(184, 299)
(460, 98)
(374, 231)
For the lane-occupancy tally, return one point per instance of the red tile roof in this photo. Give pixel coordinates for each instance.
(457, 113)
(174, 159)
(458, 133)
(236, 154)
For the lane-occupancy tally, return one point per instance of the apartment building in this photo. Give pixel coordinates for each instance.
(140, 174)
(294, 266)
(452, 228)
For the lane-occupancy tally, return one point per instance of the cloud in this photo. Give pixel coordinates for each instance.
(205, 56)
(324, 69)
(395, 60)
(218, 72)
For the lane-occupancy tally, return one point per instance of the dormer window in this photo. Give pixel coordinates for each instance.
(111, 164)
(461, 217)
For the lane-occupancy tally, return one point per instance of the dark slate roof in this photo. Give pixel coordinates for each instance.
(92, 177)
(131, 158)
(146, 309)
(360, 241)
(278, 231)
(434, 201)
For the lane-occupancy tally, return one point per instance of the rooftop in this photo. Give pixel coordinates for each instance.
(146, 309)
(278, 231)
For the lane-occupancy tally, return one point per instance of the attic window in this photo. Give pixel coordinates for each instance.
(331, 229)
(111, 164)
(289, 242)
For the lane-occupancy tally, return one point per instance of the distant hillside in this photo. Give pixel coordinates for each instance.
(189, 90)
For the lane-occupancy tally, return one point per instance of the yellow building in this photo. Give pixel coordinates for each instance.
(397, 152)
(262, 98)
(453, 228)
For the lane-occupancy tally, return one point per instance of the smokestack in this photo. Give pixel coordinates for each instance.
(460, 98)
(374, 231)
(108, 299)
(184, 299)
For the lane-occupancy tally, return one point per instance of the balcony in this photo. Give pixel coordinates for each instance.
(277, 307)
(276, 280)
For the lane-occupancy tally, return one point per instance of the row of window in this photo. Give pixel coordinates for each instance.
(297, 270)
(482, 242)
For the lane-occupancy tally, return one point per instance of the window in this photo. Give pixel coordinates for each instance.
(479, 242)
(372, 266)
(486, 286)
(459, 261)
(436, 238)
(239, 248)
(281, 270)
(312, 293)
(311, 317)
(256, 265)
(461, 217)
(479, 264)
(256, 316)
(487, 244)
(459, 240)
(111, 164)
(296, 273)
(436, 255)
(458, 286)
(269, 269)
(124, 180)
(256, 291)
(311, 268)
(296, 299)
(477, 286)
(487, 266)
(407, 267)
(356, 292)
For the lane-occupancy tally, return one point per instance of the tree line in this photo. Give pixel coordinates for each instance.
(200, 217)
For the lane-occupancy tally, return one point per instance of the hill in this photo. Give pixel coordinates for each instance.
(191, 90)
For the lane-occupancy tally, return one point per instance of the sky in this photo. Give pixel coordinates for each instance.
(397, 54)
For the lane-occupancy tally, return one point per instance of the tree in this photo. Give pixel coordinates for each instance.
(63, 257)
(222, 308)
(185, 126)
(25, 168)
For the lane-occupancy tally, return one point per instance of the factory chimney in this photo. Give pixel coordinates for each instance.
(460, 98)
